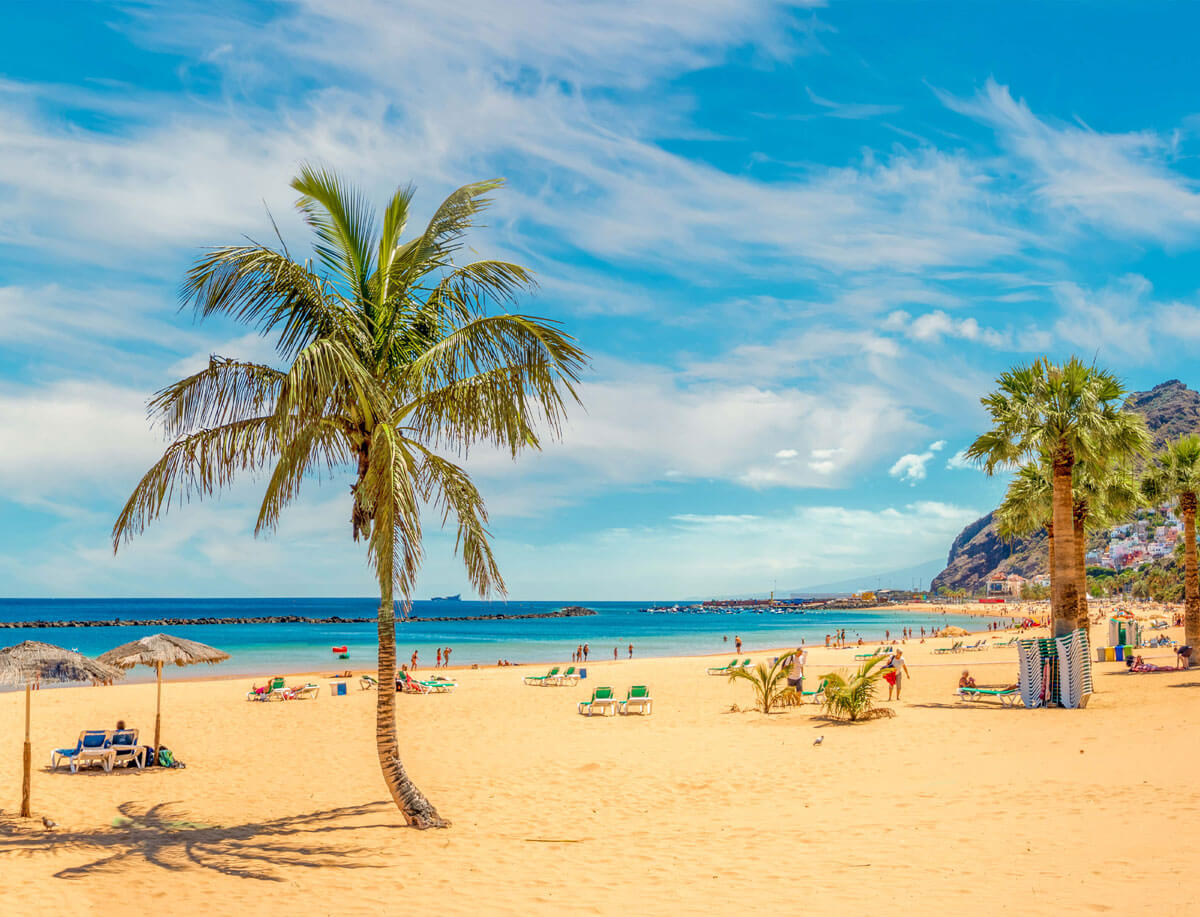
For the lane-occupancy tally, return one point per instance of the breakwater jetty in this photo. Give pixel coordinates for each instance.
(572, 612)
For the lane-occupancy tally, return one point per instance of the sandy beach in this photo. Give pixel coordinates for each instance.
(946, 806)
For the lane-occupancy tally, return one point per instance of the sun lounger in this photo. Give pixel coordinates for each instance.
(602, 703)
(367, 682)
(878, 652)
(406, 684)
(124, 743)
(637, 700)
(276, 684)
(976, 647)
(439, 685)
(542, 681)
(1009, 697)
(745, 664)
(1012, 641)
(949, 649)
(816, 695)
(305, 692)
(568, 678)
(721, 669)
(93, 746)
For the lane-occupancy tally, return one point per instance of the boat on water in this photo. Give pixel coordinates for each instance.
(447, 598)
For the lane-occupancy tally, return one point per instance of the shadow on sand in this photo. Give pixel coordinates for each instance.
(167, 838)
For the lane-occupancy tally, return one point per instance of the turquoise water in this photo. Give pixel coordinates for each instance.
(261, 648)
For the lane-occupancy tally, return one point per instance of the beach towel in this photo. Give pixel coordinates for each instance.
(889, 677)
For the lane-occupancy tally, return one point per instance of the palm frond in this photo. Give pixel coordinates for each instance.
(388, 496)
(318, 447)
(224, 391)
(343, 221)
(265, 289)
(197, 465)
(453, 492)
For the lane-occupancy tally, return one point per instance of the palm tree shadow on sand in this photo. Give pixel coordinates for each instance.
(166, 838)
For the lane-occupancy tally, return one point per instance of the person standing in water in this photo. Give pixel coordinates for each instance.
(631, 651)
(737, 643)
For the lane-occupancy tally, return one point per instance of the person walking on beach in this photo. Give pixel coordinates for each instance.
(438, 664)
(796, 675)
(586, 649)
(579, 653)
(414, 661)
(631, 651)
(737, 643)
(614, 654)
(896, 671)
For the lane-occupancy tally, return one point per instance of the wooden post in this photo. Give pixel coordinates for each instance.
(158, 711)
(25, 809)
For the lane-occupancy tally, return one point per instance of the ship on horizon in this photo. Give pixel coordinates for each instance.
(447, 598)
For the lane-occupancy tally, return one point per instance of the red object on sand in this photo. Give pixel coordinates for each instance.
(889, 677)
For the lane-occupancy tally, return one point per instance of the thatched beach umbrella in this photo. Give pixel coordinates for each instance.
(159, 650)
(952, 630)
(31, 663)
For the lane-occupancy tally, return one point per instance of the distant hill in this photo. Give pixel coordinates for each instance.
(1171, 410)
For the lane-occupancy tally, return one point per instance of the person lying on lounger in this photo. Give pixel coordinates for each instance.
(1141, 665)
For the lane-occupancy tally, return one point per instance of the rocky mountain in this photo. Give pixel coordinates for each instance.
(1171, 409)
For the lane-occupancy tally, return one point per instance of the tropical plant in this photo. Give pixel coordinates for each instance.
(853, 697)
(394, 355)
(1175, 474)
(1069, 413)
(770, 681)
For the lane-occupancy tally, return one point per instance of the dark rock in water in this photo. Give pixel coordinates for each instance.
(1171, 410)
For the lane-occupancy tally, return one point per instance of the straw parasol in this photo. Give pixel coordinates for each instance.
(159, 650)
(31, 663)
(952, 630)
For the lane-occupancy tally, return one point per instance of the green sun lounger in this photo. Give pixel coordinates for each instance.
(815, 694)
(1009, 697)
(949, 649)
(439, 685)
(569, 677)
(878, 652)
(637, 700)
(542, 680)
(721, 669)
(602, 703)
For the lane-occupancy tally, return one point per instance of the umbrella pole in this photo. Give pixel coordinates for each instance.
(25, 810)
(158, 711)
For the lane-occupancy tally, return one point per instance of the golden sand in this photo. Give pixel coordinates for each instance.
(694, 809)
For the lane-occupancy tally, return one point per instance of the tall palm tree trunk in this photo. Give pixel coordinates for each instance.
(1050, 549)
(1064, 594)
(1079, 517)
(1191, 577)
(418, 811)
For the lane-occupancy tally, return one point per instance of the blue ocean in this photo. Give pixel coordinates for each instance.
(256, 649)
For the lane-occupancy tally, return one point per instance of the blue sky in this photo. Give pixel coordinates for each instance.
(798, 240)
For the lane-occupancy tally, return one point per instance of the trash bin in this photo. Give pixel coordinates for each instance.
(583, 673)
(1120, 653)
(1099, 654)
(337, 688)
(1110, 654)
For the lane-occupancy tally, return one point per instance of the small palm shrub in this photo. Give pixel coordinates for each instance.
(770, 682)
(853, 697)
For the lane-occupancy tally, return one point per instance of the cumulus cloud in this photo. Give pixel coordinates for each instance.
(932, 327)
(910, 468)
(959, 461)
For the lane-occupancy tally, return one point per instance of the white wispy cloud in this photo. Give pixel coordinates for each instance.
(1120, 183)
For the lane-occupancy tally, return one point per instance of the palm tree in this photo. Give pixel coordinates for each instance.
(1070, 413)
(770, 681)
(1175, 475)
(853, 696)
(394, 356)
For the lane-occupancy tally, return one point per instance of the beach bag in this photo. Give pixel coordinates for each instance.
(165, 758)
